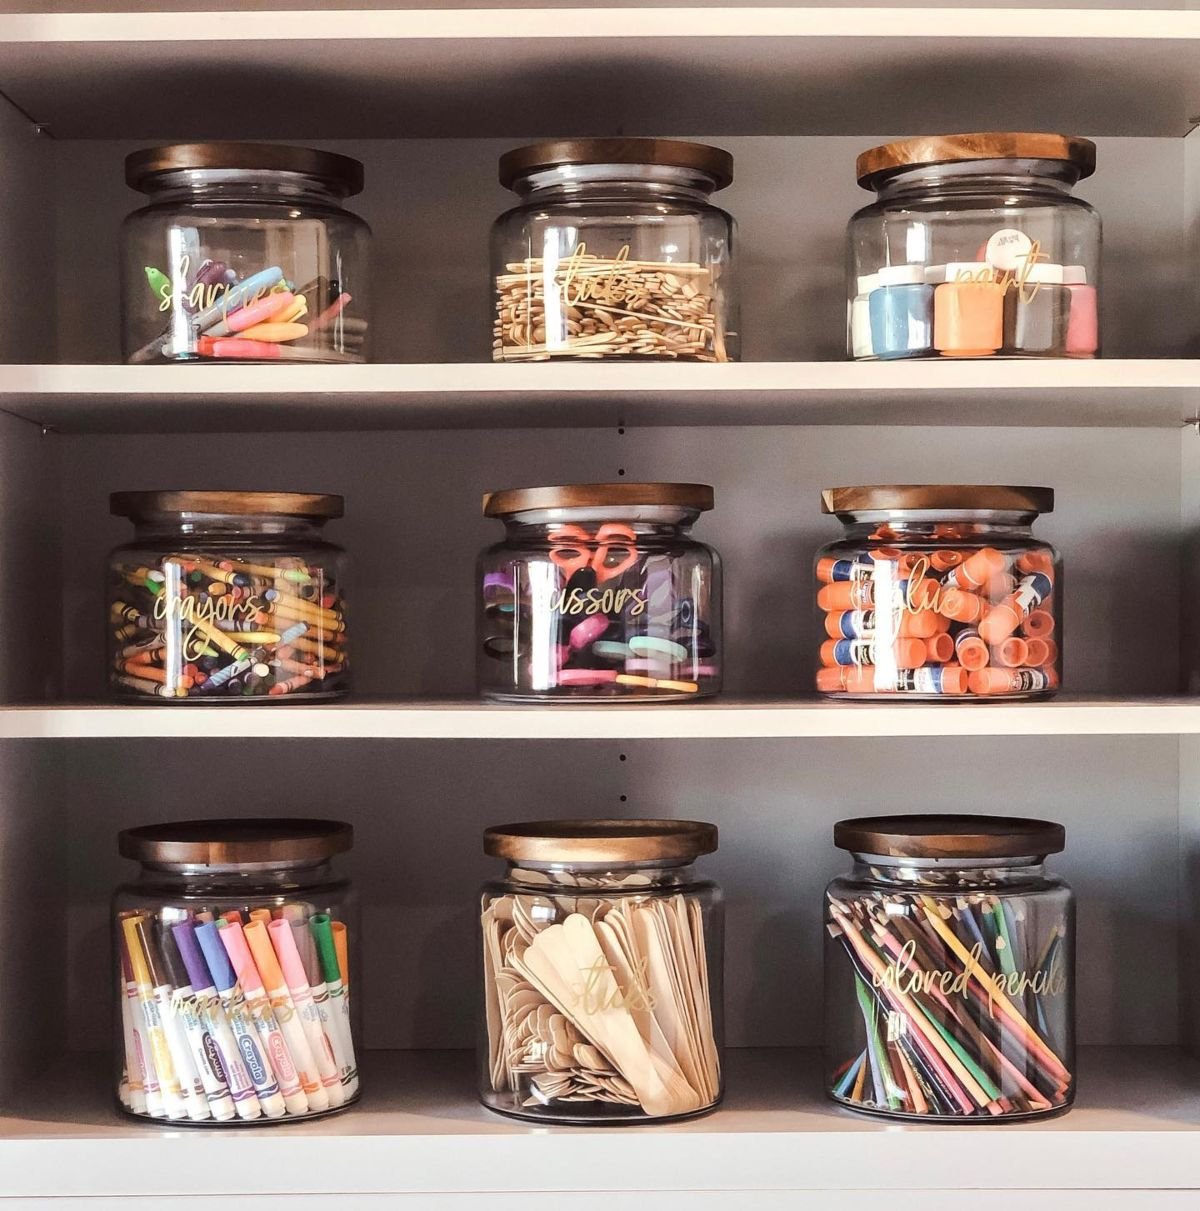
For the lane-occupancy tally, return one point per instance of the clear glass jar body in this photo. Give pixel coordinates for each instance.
(224, 608)
(247, 1053)
(612, 604)
(949, 989)
(982, 259)
(603, 996)
(934, 605)
(615, 261)
(244, 265)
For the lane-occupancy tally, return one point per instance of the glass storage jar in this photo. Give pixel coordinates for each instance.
(244, 253)
(950, 970)
(227, 596)
(599, 592)
(233, 950)
(615, 251)
(602, 956)
(975, 247)
(938, 590)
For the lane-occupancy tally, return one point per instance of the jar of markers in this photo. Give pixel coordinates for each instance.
(602, 972)
(599, 592)
(950, 970)
(234, 954)
(615, 251)
(244, 252)
(227, 597)
(938, 591)
(975, 247)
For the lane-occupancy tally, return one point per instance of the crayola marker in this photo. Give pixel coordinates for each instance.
(285, 1012)
(208, 1006)
(240, 1022)
(319, 923)
(206, 1058)
(265, 1022)
(172, 1095)
(181, 1055)
(292, 967)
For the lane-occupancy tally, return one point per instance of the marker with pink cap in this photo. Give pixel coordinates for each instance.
(265, 1022)
(284, 941)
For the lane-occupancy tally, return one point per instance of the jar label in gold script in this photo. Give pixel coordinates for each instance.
(600, 990)
(904, 976)
(1014, 278)
(599, 601)
(209, 610)
(608, 287)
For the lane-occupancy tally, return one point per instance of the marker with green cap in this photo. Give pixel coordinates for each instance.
(335, 1012)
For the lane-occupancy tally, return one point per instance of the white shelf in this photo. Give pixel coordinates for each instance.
(200, 398)
(721, 719)
(419, 1128)
(709, 70)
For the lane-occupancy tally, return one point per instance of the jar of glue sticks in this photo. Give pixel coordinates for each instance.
(975, 247)
(615, 251)
(602, 960)
(234, 953)
(599, 592)
(950, 970)
(244, 253)
(938, 591)
(227, 597)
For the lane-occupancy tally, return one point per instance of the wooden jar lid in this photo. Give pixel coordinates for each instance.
(137, 505)
(950, 836)
(1000, 498)
(342, 172)
(597, 496)
(234, 842)
(672, 153)
(618, 841)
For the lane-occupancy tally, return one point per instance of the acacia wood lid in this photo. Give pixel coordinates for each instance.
(592, 496)
(928, 150)
(951, 836)
(137, 505)
(344, 173)
(600, 840)
(674, 153)
(232, 842)
(1003, 498)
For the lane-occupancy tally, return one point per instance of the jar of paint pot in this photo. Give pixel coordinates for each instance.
(227, 597)
(938, 592)
(235, 949)
(599, 592)
(244, 252)
(950, 970)
(602, 973)
(975, 247)
(615, 250)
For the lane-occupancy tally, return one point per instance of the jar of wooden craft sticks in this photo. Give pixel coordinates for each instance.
(602, 957)
(950, 970)
(615, 251)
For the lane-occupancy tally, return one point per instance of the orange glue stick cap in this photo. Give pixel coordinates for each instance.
(993, 681)
(939, 649)
(960, 606)
(1039, 624)
(971, 650)
(1012, 653)
(919, 626)
(910, 653)
(955, 679)
(846, 595)
(1037, 652)
(1000, 622)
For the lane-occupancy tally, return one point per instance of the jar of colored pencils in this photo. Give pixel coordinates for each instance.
(602, 954)
(233, 954)
(227, 597)
(949, 970)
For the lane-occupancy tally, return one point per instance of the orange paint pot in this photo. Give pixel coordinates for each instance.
(968, 318)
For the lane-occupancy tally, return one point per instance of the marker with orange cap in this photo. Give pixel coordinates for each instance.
(976, 570)
(286, 1014)
(283, 939)
(265, 1022)
(971, 651)
(1002, 620)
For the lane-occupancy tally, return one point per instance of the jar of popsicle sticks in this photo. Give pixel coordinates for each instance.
(602, 957)
(949, 970)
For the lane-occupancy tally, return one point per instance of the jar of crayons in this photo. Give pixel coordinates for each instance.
(233, 955)
(243, 252)
(949, 970)
(602, 972)
(938, 592)
(227, 597)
